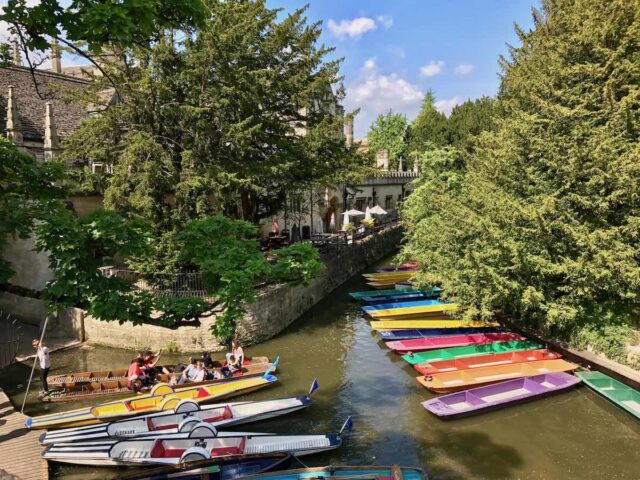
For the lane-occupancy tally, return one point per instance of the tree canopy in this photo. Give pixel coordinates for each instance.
(541, 222)
(428, 129)
(389, 132)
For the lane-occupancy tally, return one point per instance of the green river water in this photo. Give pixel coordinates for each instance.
(576, 435)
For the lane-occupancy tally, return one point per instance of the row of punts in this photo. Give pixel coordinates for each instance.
(478, 366)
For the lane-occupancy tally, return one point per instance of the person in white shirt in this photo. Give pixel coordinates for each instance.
(42, 352)
(200, 375)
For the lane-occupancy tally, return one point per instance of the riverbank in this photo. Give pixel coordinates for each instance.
(276, 307)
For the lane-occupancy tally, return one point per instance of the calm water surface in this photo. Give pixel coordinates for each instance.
(577, 435)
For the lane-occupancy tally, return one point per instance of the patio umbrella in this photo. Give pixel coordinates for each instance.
(332, 222)
(354, 213)
(345, 218)
(274, 225)
(378, 210)
(367, 214)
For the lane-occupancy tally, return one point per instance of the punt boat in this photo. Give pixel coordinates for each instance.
(348, 472)
(70, 380)
(387, 335)
(470, 351)
(381, 293)
(464, 379)
(391, 305)
(617, 392)
(431, 323)
(79, 390)
(469, 363)
(178, 420)
(161, 397)
(432, 343)
(407, 313)
(385, 276)
(498, 395)
(400, 297)
(170, 450)
(227, 468)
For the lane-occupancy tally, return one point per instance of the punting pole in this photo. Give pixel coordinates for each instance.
(24, 400)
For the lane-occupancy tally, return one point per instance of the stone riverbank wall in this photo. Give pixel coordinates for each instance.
(276, 307)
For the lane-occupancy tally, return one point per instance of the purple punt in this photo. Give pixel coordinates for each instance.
(498, 395)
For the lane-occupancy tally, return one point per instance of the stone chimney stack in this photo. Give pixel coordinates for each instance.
(14, 125)
(400, 165)
(51, 142)
(382, 159)
(56, 59)
(348, 131)
(17, 58)
(416, 166)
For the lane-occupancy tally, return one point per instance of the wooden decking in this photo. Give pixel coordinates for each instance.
(20, 451)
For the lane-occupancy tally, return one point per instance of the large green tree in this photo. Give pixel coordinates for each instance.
(469, 120)
(428, 129)
(389, 132)
(543, 221)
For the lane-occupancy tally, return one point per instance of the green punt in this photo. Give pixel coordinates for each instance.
(470, 351)
(380, 293)
(617, 392)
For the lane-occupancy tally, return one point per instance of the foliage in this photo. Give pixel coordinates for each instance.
(297, 263)
(542, 220)
(171, 347)
(27, 194)
(368, 222)
(611, 340)
(428, 129)
(84, 181)
(6, 57)
(469, 120)
(349, 228)
(389, 132)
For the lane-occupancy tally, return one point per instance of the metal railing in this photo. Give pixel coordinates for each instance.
(10, 336)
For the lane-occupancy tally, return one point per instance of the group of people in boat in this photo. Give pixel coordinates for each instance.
(144, 370)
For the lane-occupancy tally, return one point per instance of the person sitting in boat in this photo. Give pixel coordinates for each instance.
(207, 360)
(236, 351)
(150, 360)
(200, 375)
(216, 374)
(135, 375)
(189, 372)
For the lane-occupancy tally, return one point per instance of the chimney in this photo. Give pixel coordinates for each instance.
(56, 60)
(51, 143)
(416, 166)
(400, 165)
(14, 125)
(17, 59)
(382, 159)
(348, 131)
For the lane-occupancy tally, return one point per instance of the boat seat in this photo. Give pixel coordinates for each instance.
(152, 427)
(223, 451)
(226, 414)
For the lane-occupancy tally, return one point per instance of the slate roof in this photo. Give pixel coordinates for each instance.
(68, 114)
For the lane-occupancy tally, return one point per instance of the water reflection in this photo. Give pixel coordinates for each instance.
(577, 435)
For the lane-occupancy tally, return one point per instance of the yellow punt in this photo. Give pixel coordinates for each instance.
(161, 397)
(414, 312)
(383, 284)
(414, 324)
(385, 277)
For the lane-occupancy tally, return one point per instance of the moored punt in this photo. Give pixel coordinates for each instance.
(371, 293)
(479, 361)
(382, 325)
(498, 395)
(385, 276)
(617, 392)
(470, 351)
(365, 472)
(161, 397)
(388, 335)
(463, 379)
(383, 285)
(171, 451)
(184, 416)
(388, 306)
(432, 343)
(225, 468)
(400, 297)
(418, 311)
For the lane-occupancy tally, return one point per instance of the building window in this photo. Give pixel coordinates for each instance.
(361, 203)
(388, 202)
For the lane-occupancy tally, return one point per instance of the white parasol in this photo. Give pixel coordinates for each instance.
(367, 214)
(378, 210)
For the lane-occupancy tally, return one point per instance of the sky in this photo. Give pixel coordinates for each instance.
(396, 50)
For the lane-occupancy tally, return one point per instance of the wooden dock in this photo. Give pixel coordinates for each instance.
(20, 459)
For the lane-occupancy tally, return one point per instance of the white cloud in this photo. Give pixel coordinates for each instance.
(351, 28)
(385, 20)
(432, 68)
(445, 106)
(464, 69)
(374, 93)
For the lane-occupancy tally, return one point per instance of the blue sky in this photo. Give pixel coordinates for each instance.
(394, 51)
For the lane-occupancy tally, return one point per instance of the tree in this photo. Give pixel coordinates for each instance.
(429, 128)
(543, 221)
(27, 193)
(389, 132)
(469, 120)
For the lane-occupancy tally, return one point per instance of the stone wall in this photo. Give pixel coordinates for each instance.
(26, 309)
(277, 306)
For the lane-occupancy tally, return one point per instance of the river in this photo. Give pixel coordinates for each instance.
(576, 435)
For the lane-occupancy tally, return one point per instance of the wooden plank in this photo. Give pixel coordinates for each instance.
(21, 453)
